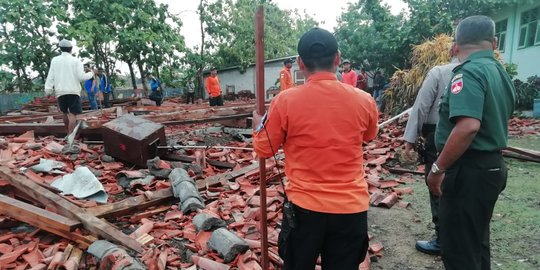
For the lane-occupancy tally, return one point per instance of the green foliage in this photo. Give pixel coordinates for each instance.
(511, 69)
(371, 36)
(25, 29)
(526, 92)
(231, 29)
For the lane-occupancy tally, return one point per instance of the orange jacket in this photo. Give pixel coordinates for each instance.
(349, 78)
(285, 79)
(322, 125)
(212, 86)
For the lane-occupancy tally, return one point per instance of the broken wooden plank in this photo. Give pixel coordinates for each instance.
(90, 222)
(525, 152)
(402, 170)
(509, 154)
(34, 215)
(132, 204)
(137, 217)
(188, 159)
(49, 222)
(44, 129)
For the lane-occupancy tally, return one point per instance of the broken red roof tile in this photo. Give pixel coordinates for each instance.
(201, 241)
(145, 228)
(404, 190)
(376, 247)
(208, 264)
(403, 204)
(390, 200)
(34, 257)
(175, 214)
(378, 161)
(12, 256)
(388, 184)
(406, 180)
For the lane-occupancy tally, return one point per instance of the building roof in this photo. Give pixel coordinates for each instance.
(281, 59)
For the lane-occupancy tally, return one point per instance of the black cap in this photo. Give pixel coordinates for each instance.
(213, 68)
(287, 61)
(317, 43)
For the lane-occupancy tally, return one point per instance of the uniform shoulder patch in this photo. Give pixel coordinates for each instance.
(458, 76)
(456, 86)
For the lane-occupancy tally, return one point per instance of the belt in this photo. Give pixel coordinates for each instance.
(472, 153)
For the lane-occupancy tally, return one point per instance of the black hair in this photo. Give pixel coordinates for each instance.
(320, 64)
(475, 29)
(66, 49)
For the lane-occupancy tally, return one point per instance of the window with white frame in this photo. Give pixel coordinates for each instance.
(529, 31)
(500, 33)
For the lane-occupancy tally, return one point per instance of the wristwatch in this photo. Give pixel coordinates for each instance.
(436, 170)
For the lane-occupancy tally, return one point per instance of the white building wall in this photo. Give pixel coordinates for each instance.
(246, 80)
(526, 59)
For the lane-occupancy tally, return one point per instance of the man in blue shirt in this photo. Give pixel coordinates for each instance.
(156, 90)
(105, 87)
(92, 88)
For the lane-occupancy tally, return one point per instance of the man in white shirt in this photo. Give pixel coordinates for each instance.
(64, 79)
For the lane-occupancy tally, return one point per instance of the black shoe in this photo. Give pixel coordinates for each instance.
(429, 247)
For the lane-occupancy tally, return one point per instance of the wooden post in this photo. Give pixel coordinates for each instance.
(261, 109)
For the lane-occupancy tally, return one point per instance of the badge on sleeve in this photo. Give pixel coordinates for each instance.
(263, 122)
(458, 76)
(457, 86)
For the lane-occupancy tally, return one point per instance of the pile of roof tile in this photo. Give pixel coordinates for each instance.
(172, 238)
(523, 126)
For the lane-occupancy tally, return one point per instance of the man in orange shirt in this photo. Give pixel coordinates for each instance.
(213, 88)
(348, 75)
(321, 126)
(285, 77)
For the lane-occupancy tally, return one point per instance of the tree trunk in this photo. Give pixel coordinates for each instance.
(143, 77)
(132, 74)
(200, 68)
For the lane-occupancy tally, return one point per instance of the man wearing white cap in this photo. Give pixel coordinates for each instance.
(64, 79)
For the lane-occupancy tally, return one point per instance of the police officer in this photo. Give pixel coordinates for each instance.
(422, 121)
(470, 173)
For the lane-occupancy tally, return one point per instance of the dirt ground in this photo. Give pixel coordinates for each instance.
(515, 227)
(398, 229)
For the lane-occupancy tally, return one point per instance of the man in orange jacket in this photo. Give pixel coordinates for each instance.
(285, 76)
(321, 126)
(213, 88)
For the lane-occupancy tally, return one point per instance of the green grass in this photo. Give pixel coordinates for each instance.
(515, 227)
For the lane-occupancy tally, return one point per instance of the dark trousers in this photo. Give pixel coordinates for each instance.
(340, 239)
(470, 189)
(216, 101)
(190, 97)
(430, 156)
(106, 97)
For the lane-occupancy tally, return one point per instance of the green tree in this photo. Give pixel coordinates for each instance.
(232, 31)
(25, 31)
(369, 35)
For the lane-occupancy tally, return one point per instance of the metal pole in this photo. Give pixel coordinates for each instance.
(261, 109)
